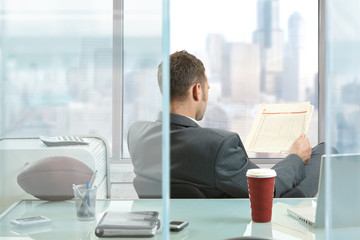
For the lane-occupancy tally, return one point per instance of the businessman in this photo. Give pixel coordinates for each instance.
(213, 160)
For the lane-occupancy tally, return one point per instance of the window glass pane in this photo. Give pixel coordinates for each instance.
(342, 113)
(142, 128)
(254, 52)
(142, 55)
(56, 67)
(343, 76)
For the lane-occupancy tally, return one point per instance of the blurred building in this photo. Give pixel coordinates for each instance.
(270, 39)
(244, 72)
(294, 58)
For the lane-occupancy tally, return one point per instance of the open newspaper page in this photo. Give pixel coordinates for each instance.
(277, 126)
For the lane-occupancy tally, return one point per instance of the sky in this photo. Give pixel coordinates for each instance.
(192, 20)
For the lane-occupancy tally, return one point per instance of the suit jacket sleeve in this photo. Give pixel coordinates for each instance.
(232, 163)
(289, 173)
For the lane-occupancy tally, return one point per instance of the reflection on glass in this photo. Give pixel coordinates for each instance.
(262, 51)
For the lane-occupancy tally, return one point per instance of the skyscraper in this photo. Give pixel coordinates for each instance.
(215, 48)
(244, 72)
(293, 70)
(270, 38)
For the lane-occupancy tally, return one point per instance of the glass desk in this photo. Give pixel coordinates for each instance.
(208, 218)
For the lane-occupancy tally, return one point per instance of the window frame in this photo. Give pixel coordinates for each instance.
(321, 69)
(118, 84)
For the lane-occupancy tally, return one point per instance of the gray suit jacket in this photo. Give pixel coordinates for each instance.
(213, 160)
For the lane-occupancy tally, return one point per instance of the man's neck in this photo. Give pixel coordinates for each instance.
(182, 109)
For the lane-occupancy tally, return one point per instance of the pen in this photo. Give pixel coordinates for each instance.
(87, 193)
(92, 180)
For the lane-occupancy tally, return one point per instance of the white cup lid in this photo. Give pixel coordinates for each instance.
(261, 173)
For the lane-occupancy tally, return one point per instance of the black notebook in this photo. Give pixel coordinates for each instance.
(128, 224)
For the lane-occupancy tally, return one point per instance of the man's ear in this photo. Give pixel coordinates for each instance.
(197, 92)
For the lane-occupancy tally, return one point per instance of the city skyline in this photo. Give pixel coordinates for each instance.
(276, 63)
(83, 71)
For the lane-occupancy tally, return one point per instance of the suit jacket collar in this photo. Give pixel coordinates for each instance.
(179, 120)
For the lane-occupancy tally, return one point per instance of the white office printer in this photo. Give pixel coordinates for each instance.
(17, 153)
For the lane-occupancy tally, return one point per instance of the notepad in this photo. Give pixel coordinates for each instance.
(128, 224)
(277, 126)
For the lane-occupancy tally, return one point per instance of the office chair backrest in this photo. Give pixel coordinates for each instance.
(148, 188)
(185, 190)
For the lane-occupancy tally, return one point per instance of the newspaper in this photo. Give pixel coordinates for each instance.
(277, 126)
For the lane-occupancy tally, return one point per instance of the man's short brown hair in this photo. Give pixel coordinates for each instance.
(185, 71)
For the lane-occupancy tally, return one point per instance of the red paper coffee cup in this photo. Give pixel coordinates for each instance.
(261, 192)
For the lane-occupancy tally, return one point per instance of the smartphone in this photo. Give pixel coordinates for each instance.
(30, 221)
(178, 225)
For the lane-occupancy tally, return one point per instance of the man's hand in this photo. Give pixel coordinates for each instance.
(302, 148)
